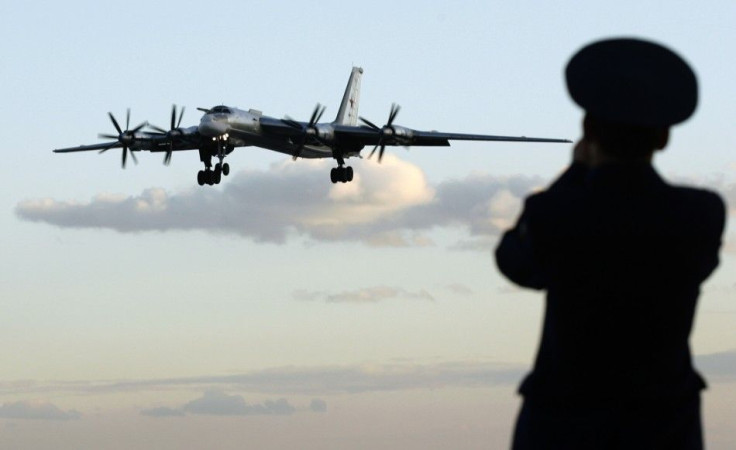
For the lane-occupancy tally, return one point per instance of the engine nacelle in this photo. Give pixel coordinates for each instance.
(325, 133)
(401, 135)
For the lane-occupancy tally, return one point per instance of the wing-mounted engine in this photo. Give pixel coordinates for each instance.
(390, 134)
(168, 140)
(128, 139)
(310, 133)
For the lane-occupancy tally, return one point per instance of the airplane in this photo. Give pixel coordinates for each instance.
(224, 128)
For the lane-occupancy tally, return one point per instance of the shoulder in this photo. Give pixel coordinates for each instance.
(705, 206)
(703, 199)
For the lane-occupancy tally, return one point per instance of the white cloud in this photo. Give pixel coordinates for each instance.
(390, 204)
(36, 410)
(366, 295)
(217, 403)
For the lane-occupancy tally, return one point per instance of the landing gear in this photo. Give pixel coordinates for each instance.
(211, 177)
(223, 168)
(341, 174)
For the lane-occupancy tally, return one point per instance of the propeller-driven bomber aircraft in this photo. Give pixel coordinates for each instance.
(223, 128)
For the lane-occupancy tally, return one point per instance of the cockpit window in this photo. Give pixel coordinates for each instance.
(220, 109)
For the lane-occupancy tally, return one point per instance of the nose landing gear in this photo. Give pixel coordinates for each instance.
(208, 175)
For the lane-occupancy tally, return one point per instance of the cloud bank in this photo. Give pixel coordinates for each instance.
(311, 381)
(215, 402)
(391, 204)
(304, 381)
(36, 411)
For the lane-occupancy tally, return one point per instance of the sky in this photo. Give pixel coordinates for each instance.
(276, 310)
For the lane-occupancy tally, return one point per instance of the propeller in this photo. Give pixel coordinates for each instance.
(386, 131)
(307, 131)
(127, 137)
(173, 132)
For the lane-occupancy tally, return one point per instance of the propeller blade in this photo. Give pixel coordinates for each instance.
(181, 116)
(297, 152)
(115, 123)
(125, 155)
(394, 111)
(127, 119)
(380, 154)
(107, 136)
(319, 116)
(138, 128)
(167, 158)
(173, 116)
(369, 123)
(132, 155)
(291, 122)
(108, 147)
(314, 114)
(373, 151)
(155, 128)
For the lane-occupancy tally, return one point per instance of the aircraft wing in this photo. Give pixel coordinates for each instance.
(89, 148)
(408, 137)
(439, 138)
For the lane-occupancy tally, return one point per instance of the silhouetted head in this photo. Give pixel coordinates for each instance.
(632, 92)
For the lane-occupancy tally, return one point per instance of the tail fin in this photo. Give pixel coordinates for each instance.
(348, 112)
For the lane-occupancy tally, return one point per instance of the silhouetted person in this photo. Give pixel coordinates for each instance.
(621, 254)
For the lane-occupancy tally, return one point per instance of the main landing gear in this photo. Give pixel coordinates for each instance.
(210, 177)
(341, 174)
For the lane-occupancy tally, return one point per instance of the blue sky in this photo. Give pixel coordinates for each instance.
(234, 310)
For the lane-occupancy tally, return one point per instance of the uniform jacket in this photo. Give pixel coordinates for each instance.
(621, 255)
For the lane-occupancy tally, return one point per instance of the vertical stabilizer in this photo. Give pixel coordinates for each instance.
(348, 112)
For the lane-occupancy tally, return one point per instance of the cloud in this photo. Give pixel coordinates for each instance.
(334, 380)
(391, 204)
(366, 295)
(311, 381)
(460, 289)
(36, 410)
(216, 403)
(163, 412)
(317, 405)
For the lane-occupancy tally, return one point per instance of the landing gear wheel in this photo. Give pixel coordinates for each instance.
(226, 169)
(333, 175)
(209, 177)
(216, 176)
(201, 177)
(218, 168)
(349, 174)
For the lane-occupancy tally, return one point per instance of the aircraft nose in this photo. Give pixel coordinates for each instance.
(212, 128)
